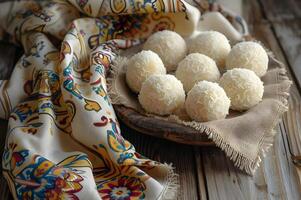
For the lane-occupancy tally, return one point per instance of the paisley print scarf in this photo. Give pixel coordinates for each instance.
(63, 139)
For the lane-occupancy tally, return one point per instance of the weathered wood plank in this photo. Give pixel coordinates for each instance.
(161, 150)
(286, 23)
(292, 122)
(289, 34)
(224, 181)
(276, 178)
(285, 17)
(201, 176)
(288, 171)
(277, 10)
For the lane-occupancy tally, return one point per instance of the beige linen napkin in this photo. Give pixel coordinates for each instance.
(245, 136)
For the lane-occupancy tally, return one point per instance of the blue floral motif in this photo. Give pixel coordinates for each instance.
(45, 180)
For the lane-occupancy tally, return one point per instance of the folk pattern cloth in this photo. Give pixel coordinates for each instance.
(63, 139)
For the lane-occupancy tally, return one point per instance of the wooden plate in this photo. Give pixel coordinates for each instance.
(160, 128)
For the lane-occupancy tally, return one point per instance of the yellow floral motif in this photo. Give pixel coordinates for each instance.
(69, 49)
(74, 161)
(92, 105)
(42, 168)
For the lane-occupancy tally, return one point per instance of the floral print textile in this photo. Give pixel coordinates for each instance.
(63, 139)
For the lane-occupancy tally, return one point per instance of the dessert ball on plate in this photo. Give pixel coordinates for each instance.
(162, 94)
(140, 67)
(169, 45)
(196, 67)
(212, 44)
(243, 87)
(207, 101)
(249, 55)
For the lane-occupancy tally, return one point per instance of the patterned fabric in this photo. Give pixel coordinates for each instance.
(63, 139)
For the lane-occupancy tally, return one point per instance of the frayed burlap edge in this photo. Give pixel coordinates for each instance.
(240, 160)
(117, 67)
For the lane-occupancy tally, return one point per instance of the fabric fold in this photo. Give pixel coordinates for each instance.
(63, 139)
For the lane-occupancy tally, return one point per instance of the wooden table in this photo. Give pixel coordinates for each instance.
(205, 172)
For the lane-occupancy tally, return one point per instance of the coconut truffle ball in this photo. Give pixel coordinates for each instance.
(196, 67)
(207, 101)
(169, 45)
(243, 87)
(162, 94)
(212, 44)
(249, 55)
(141, 66)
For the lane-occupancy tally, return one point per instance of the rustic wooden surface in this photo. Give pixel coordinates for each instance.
(205, 172)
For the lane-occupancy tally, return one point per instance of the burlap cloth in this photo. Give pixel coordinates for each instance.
(245, 136)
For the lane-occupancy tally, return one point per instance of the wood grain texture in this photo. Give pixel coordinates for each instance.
(180, 155)
(285, 18)
(224, 181)
(274, 179)
(200, 173)
(292, 123)
(287, 170)
(277, 177)
(277, 10)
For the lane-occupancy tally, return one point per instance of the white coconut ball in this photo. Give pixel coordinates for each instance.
(212, 44)
(207, 101)
(162, 94)
(243, 87)
(249, 55)
(141, 66)
(196, 67)
(169, 45)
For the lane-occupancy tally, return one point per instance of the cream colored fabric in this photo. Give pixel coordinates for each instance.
(63, 139)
